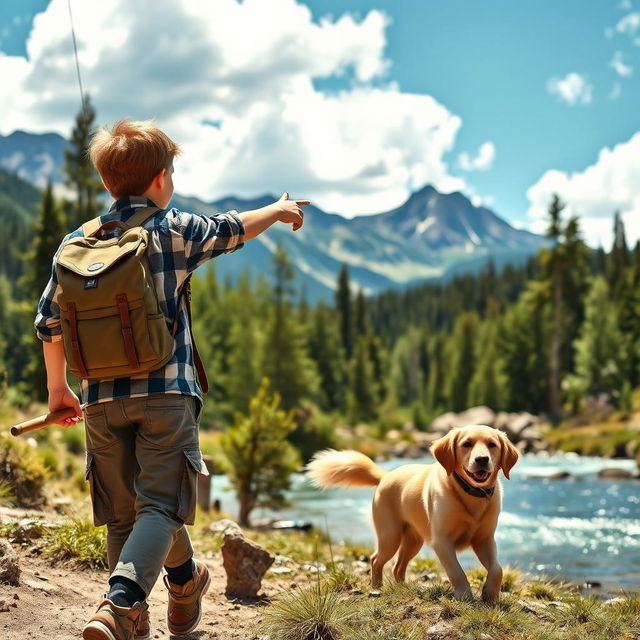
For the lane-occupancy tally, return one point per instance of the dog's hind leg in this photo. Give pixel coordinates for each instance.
(411, 544)
(389, 535)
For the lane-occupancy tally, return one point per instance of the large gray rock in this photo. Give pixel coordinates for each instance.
(245, 563)
(224, 526)
(475, 415)
(9, 565)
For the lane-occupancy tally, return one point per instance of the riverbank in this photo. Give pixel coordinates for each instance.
(616, 436)
(314, 589)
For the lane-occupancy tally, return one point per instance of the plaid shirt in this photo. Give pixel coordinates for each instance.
(179, 243)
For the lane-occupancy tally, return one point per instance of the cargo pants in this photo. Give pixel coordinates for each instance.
(143, 460)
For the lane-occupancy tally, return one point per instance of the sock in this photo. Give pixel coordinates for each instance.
(125, 592)
(182, 574)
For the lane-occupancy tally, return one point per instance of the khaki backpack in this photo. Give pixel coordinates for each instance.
(112, 324)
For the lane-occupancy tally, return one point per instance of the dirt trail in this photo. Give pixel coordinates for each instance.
(54, 602)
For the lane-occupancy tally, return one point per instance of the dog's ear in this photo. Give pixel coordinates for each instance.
(444, 450)
(509, 457)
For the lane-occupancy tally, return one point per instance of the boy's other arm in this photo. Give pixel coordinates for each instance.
(60, 395)
(284, 210)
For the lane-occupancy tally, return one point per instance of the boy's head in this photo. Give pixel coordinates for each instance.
(134, 157)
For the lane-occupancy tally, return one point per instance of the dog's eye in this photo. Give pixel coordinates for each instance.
(492, 445)
(467, 444)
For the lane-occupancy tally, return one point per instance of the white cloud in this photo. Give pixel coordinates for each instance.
(610, 184)
(619, 66)
(574, 89)
(482, 162)
(629, 24)
(616, 90)
(250, 67)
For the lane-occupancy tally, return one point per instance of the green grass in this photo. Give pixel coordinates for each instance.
(78, 542)
(528, 610)
(316, 613)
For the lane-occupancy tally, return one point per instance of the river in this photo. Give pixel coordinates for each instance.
(579, 529)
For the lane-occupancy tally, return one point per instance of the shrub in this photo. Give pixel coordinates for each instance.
(77, 541)
(22, 468)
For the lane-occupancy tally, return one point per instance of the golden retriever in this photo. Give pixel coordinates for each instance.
(451, 505)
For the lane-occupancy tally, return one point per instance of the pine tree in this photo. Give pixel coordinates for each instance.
(564, 269)
(461, 350)
(80, 174)
(47, 236)
(258, 459)
(487, 387)
(343, 307)
(362, 386)
(619, 258)
(325, 349)
(524, 350)
(285, 359)
(436, 400)
(598, 354)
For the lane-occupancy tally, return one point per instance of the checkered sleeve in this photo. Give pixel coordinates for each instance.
(207, 237)
(47, 322)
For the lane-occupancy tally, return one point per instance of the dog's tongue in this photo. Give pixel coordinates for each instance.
(480, 476)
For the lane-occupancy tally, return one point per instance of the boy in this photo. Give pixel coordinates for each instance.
(143, 453)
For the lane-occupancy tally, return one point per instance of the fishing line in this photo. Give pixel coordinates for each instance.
(75, 51)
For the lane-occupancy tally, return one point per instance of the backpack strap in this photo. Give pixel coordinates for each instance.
(92, 227)
(197, 360)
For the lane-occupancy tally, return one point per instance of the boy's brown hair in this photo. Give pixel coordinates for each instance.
(130, 155)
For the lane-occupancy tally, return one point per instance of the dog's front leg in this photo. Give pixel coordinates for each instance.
(446, 553)
(488, 555)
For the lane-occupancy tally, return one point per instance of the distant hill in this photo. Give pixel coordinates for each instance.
(431, 236)
(19, 201)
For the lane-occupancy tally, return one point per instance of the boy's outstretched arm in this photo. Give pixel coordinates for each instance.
(60, 395)
(284, 210)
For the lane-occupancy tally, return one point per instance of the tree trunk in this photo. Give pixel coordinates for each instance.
(555, 409)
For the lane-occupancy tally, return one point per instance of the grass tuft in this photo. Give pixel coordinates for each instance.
(316, 613)
(77, 541)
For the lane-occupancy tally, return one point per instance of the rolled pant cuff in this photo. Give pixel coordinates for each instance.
(141, 582)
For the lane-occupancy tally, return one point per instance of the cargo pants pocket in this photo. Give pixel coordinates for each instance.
(102, 509)
(188, 490)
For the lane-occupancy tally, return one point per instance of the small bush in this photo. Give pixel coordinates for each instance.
(77, 541)
(22, 468)
(7, 496)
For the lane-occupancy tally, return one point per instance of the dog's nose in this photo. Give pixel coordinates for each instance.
(482, 460)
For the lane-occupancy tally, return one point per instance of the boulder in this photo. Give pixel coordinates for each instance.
(245, 564)
(477, 415)
(224, 526)
(615, 474)
(9, 565)
(503, 423)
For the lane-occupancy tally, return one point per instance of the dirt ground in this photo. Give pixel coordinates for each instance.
(54, 602)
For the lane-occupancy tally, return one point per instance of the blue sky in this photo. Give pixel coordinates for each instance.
(493, 65)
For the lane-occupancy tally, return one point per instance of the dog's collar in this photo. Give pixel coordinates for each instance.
(477, 492)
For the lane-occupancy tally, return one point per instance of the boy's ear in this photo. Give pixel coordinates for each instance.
(158, 181)
(444, 450)
(509, 457)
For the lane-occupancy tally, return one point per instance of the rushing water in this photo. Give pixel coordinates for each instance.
(580, 528)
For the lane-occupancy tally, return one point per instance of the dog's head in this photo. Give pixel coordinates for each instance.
(476, 453)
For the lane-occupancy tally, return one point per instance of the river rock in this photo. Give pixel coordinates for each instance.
(245, 564)
(9, 564)
(475, 415)
(615, 474)
(224, 526)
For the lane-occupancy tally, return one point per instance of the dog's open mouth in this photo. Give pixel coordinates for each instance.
(479, 476)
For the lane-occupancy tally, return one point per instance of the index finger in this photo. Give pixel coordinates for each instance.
(302, 203)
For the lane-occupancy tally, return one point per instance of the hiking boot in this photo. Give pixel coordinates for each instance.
(185, 601)
(143, 628)
(111, 622)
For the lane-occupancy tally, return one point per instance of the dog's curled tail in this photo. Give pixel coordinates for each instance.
(331, 468)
